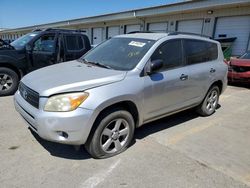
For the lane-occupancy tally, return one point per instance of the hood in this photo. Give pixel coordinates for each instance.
(71, 76)
(2, 42)
(240, 62)
(6, 47)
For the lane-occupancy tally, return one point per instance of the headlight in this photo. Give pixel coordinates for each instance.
(65, 102)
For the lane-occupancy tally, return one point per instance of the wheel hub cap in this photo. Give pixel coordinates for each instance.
(3, 82)
(115, 135)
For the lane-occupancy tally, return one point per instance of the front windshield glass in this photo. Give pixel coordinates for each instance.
(245, 56)
(119, 53)
(22, 41)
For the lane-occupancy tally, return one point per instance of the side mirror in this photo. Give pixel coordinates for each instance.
(154, 66)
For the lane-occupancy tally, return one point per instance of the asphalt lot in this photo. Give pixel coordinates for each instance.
(183, 150)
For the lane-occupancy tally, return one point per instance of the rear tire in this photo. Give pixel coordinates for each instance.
(210, 102)
(8, 81)
(113, 134)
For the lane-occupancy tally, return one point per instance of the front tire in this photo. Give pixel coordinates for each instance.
(210, 103)
(8, 81)
(113, 134)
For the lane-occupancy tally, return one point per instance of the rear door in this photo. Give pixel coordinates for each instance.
(167, 90)
(200, 57)
(74, 45)
(44, 51)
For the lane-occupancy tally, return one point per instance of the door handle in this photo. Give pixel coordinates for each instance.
(183, 77)
(212, 70)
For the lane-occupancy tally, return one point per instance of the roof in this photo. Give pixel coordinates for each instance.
(148, 36)
(158, 36)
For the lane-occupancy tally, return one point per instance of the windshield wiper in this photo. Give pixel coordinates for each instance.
(95, 63)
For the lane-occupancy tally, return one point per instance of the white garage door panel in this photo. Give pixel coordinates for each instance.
(97, 35)
(131, 28)
(238, 26)
(190, 26)
(158, 27)
(113, 31)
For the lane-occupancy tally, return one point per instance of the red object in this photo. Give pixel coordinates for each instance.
(239, 70)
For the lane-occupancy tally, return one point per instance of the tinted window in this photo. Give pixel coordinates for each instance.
(200, 51)
(45, 43)
(74, 42)
(170, 53)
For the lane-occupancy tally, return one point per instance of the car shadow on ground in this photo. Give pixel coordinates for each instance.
(165, 123)
(239, 84)
(62, 150)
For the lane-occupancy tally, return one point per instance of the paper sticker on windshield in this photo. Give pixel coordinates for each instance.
(137, 44)
(32, 35)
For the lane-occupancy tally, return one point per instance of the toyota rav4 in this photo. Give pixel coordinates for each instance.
(123, 83)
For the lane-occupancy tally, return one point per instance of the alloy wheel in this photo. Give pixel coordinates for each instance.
(6, 82)
(114, 136)
(212, 100)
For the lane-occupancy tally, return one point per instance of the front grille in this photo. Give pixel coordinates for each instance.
(240, 69)
(29, 95)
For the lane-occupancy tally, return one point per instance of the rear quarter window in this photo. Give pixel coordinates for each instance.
(198, 51)
(74, 42)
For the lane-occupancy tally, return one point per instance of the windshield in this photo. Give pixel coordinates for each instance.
(245, 56)
(22, 41)
(119, 53)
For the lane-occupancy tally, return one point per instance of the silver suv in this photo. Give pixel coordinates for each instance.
(123, 83)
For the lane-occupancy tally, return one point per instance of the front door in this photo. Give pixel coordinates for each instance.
(44, 51)
(167, 90)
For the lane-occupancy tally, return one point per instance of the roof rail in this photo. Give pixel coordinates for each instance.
(133, 32)
(59, 29)
(34, 30)
(187, 33)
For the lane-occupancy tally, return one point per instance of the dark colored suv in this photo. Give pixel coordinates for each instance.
(38, 49)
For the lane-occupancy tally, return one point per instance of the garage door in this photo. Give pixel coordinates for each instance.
(131, 28)
(190, 26)
(158, 27)
(238, 26)
(97, 35)
(113, 31)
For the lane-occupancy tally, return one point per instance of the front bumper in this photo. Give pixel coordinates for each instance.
(50, 125)
(239, 76)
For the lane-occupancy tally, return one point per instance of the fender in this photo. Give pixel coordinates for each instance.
(15, 60)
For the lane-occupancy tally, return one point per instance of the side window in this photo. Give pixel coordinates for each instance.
(200, 51)
(74, 42)
(170, 53)
(45, 43)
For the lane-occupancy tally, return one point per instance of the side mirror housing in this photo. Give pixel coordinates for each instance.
(154, 66)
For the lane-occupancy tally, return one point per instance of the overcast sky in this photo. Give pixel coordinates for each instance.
(21, 13)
